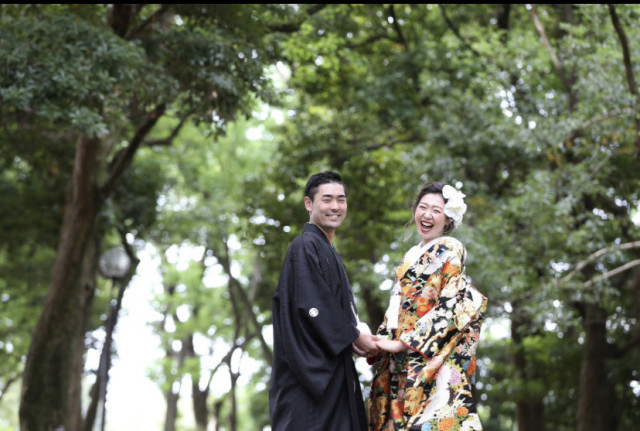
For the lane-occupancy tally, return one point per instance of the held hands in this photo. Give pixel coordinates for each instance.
(365, 345)
(390, 346)
(369, 345)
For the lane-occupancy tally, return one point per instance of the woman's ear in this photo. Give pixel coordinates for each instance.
(450, 226)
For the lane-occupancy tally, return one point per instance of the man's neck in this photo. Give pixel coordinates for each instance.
(329, 234)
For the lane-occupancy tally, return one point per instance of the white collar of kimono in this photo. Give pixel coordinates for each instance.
(410, 258)
(418, 250)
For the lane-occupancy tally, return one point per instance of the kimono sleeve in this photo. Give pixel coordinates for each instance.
(317, 322)
(437, 333)
(382, 330)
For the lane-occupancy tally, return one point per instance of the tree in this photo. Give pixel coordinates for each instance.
(506, 101)
(96, 80)
(212, 311)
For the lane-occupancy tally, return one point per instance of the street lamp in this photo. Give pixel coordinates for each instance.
(114, 264)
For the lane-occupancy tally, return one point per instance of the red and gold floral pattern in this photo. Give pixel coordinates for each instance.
(428, 387)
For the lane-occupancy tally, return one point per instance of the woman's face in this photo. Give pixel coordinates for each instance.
(430, 217)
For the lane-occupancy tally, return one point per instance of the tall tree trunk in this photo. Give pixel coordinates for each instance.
(173, 394)
(50, 361)
(232, 419)
(530, 415)
(529, 407)
(596, 402)
(375, 313)
(198, 396)
(635, 288)
(200, 410)
(217, 408)
(89, 287)
(47, 379)
(172, 409)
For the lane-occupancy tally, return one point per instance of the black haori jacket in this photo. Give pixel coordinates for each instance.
(314, 383)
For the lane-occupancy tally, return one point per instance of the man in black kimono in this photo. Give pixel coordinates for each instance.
(314, 383)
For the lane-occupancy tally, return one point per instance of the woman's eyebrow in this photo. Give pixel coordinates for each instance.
(423, 204)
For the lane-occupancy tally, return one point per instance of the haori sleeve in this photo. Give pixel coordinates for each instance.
(321, 309)
(314, 322)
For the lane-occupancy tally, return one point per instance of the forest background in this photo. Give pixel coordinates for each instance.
(184, 134)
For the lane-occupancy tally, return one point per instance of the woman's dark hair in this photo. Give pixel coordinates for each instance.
(436, 188)
(316, 180)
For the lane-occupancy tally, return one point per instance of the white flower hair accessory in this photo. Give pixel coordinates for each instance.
(455, 206)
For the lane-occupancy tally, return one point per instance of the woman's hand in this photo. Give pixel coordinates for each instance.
(390, 346)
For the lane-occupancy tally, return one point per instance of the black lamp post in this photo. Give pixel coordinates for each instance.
(114, 264)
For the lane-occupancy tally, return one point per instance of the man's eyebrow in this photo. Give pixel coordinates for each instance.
(330, 196)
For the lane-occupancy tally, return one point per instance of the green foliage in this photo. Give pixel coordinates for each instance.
(471, 100)
(133, 207)
(199, 210)
(87, 72)
(31, 190)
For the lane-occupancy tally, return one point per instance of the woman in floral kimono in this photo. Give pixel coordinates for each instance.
(431, 328)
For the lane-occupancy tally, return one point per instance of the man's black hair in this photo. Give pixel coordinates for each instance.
(317, 180)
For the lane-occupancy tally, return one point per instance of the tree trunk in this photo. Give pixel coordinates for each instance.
(200, 410)
(91, 257)
(173, 394)
(217, 408)
(47, 376)
(172, 409)
(529, 407)
(232, 419)
(635, 288)
(47, 382)
(530, 415)
(198, 397)
(375, 313)
(596, 402)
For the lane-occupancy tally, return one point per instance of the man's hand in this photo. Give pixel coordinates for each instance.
(357, 350)
(365, 345)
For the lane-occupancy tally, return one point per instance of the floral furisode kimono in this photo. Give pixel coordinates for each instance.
(437, 314)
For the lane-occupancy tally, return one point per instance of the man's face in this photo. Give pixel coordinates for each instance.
(328, 208)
